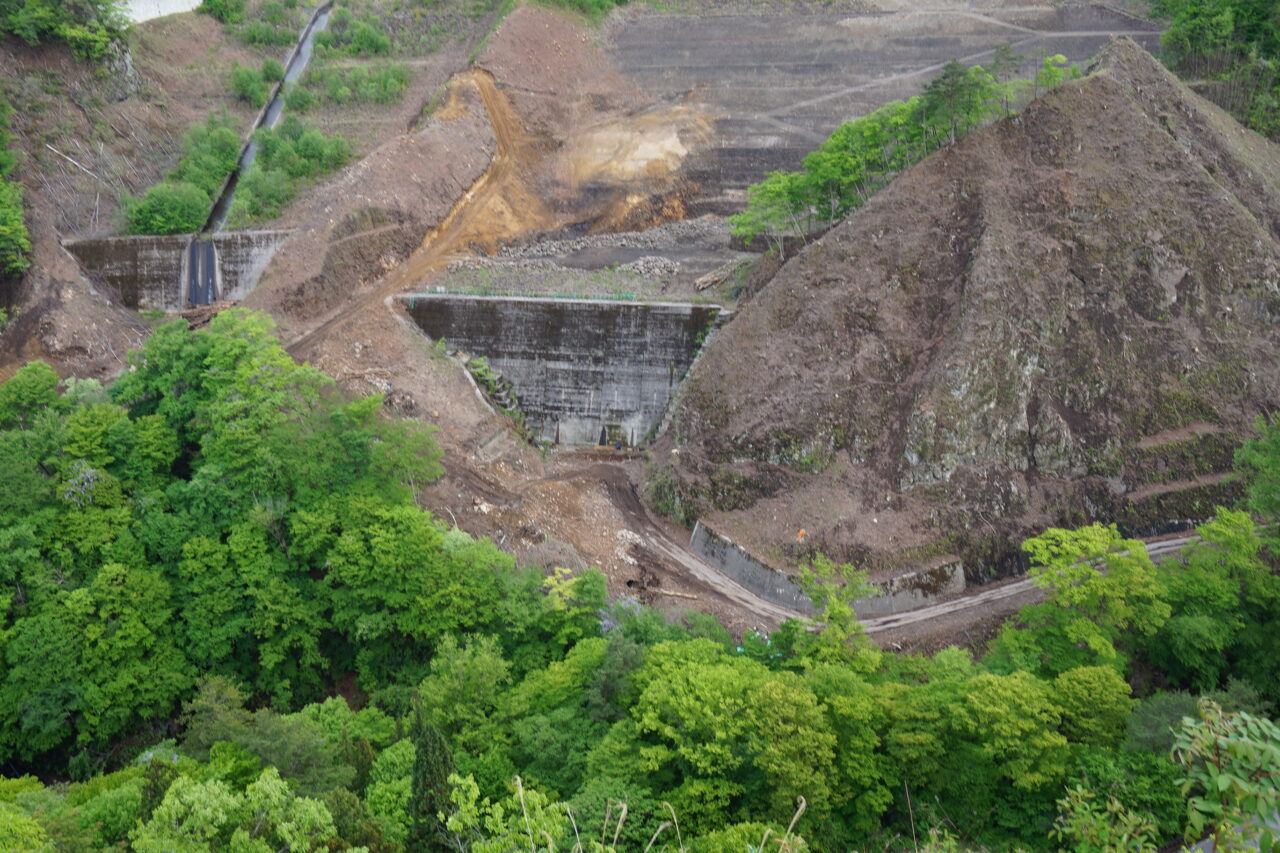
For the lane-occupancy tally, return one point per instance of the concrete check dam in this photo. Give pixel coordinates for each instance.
(583, 371)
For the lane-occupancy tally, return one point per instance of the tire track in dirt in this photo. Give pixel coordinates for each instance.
(497, 206)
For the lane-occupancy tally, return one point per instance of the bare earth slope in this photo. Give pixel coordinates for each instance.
(980, 350)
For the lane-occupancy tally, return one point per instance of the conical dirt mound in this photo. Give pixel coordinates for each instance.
(1069, 314)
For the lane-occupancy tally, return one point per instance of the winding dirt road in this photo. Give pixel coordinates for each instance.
(500, 205)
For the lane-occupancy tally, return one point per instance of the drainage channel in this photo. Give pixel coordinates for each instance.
(269, 116)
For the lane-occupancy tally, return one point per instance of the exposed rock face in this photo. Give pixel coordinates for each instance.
(985, 344)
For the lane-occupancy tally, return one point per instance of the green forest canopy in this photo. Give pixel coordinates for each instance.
(199, 556)
(89, 27)
(15, 240)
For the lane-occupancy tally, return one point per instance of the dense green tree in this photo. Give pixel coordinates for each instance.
(723, 729)
(15, 239)
(957, 100)
(227, 11)
(88, 27)
(168, 208)
(1232, 762)
(210, 816)
(248, 85)
(1099, 586)
(429, 793)
(31, 391)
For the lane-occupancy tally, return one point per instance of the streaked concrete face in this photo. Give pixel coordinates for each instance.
(152, 273)
(585, 371)
(144, 10)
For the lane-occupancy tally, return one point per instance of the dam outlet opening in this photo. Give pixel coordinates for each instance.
(576, 371)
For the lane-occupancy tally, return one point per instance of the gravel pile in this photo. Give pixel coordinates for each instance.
(504, 264)
(652, 266)
(708, 232)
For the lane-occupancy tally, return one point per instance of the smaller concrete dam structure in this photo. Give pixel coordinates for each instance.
(168, 273)
(584, 371)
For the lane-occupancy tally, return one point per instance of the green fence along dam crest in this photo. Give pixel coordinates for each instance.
(585, 371)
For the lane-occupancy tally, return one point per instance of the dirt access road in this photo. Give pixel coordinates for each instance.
(477, 218)
(1000, 597)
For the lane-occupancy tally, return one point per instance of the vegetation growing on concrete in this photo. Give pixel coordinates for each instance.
(863, 155)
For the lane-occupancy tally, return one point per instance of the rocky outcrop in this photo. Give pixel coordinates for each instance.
(977, 351)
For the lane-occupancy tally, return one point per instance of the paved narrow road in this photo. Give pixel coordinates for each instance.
(1159, 551)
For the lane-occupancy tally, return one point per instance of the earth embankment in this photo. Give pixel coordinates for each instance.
(992, 343)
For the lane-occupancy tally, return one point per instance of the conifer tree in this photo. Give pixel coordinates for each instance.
(429, 796)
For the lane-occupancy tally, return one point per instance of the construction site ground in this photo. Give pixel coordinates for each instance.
(584, 160)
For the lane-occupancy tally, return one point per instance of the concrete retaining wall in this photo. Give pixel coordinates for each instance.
(944, 576)
(147, 272)
(243, 255)
(730, 558)
(584, 370)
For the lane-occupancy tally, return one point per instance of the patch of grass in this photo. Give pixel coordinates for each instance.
(384, 83)
(592, 10)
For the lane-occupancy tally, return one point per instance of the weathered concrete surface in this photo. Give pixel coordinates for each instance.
(584, 371)
(920, 588)
(242, 256)
(734, 561)
(144, 10)
(148, 273)
(144, 273)
(780, 83)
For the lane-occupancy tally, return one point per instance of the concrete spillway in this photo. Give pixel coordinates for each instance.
(166, 273)
(584, 371)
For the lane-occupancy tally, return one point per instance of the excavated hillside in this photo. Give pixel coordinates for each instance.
(1067, 315)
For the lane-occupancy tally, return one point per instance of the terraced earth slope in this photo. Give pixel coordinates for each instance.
(779, 78)
(1067, 315)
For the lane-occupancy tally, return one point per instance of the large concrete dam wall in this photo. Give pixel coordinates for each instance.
(584, 371)
(151, 273)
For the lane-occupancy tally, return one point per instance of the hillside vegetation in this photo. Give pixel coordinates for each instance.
(198, 557)
(1233, 48)
(89, 27)
(863, 155)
